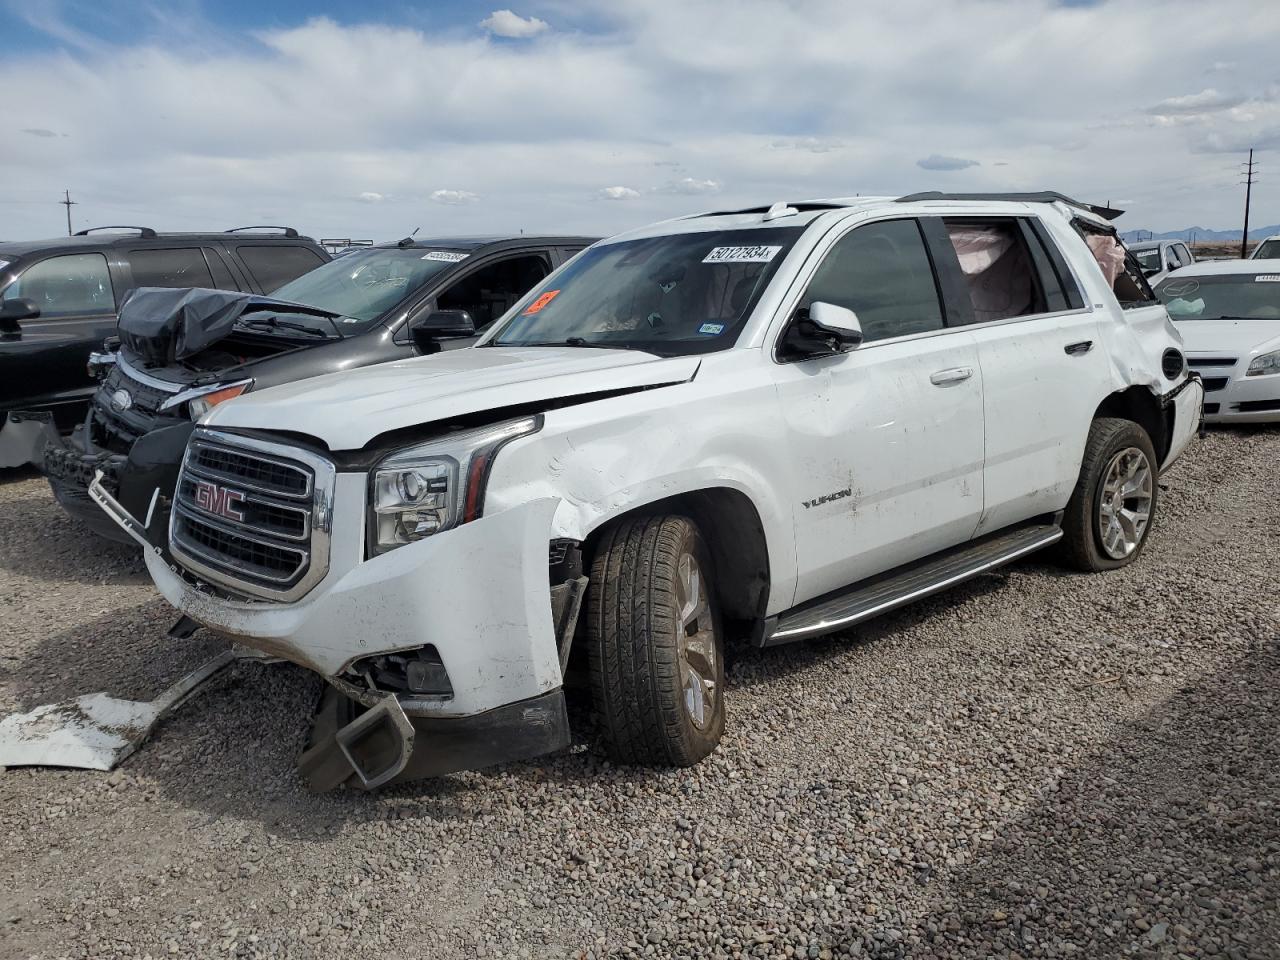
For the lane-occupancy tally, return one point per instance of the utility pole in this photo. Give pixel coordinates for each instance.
(1249, 181)
(67, 202)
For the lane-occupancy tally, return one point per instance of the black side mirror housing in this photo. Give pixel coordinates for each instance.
(14, 310)
(822, 330)
(441, 325)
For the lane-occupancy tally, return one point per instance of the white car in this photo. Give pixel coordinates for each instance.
(770, 423)
(1268, 249)
(1228, 313)
(1159, 258)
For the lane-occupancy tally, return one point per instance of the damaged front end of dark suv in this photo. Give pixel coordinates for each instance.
(178, 354)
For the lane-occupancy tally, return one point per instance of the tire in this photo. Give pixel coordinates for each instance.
(1102, 528)
(657, 687)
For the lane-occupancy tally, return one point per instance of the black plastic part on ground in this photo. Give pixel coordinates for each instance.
(515, 731)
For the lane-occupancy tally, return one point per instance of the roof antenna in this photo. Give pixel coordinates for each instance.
(779, 209)
(415, 231)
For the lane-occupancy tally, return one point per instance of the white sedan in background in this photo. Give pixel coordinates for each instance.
(1228, 312)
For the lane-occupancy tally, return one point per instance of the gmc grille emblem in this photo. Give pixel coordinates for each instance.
(219, 501)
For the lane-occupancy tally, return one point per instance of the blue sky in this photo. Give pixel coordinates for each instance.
(368, 119)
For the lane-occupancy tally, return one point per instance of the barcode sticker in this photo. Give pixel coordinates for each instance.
(741, 255)
(445, 256)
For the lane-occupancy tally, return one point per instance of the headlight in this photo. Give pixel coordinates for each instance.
(1264, 364)
(437, 485)
(200, 400)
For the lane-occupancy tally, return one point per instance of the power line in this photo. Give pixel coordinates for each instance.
(1248, 196)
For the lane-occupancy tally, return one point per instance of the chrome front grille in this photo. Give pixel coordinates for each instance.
(252, 516)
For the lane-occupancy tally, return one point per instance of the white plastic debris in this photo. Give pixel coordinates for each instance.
(95, 731)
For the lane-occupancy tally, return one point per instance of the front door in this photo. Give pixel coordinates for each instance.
(887, 440)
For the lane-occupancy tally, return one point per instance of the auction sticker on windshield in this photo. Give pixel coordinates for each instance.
(541, 302)
(445, 256)
(1267, 278)
(741, 255)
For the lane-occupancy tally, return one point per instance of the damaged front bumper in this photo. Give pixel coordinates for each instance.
(476, 596)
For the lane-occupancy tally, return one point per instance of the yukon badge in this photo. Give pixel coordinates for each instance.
(121, 401)
(220, 501)
(827, 498)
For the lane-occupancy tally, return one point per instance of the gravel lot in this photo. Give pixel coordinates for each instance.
(1040, 764)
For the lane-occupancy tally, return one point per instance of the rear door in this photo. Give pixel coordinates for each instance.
(885, 457)
(44, 366)
(1043, 366)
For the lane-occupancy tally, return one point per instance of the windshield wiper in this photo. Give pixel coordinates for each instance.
(274, 323)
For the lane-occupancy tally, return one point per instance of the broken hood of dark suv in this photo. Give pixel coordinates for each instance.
(161, 326)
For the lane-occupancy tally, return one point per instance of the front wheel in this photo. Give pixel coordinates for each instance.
(1111, 511)
(654, 637)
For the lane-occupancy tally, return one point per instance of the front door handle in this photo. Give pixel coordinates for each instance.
(1078, 349)
(953, 375)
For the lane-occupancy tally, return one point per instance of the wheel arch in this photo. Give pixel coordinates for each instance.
(731, 525)
(1144, 408)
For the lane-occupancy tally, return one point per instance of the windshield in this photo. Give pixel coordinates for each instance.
(1239, 297)
(673, 295)
(1268, 250)
(1148, 260)
(360, 287)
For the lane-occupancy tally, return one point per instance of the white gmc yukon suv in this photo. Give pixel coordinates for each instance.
(766, 424)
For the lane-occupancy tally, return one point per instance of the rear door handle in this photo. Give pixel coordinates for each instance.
(1078, 349)
(953, 375)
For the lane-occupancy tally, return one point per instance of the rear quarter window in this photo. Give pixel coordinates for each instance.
(274, 265)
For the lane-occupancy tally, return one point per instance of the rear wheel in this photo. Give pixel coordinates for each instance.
(655, 645)
(1113, 506)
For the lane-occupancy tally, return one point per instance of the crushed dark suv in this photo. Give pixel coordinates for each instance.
(59, 300)
(183, 352)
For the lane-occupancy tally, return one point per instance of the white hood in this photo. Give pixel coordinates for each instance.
(346, 410)
(1235, 338)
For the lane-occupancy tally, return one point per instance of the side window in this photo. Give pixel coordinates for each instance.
(492, 290)
(882, 273)
(1184, 255)
(184, 267)
(274, 265)
(68, 286)
(999, 270)
(1171, 261)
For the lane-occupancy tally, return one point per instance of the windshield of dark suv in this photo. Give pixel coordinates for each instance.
(674, 295)
(360, 287)
(1241, 296)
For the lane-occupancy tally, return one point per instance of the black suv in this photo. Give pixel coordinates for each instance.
(181, 353)
(59, 301)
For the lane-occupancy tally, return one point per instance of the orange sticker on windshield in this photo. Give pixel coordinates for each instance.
(541, 302)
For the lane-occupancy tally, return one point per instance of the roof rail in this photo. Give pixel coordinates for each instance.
(287, 231)
(1042, 196)
(146, 232)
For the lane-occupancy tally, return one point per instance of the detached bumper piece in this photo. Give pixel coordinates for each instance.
(383, 745)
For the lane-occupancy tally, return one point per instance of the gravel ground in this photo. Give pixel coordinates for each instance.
(1039, 764)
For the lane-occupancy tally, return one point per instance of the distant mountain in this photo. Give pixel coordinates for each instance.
(1201, 234)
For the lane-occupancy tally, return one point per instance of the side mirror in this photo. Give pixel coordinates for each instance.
(441, 325)
(14, 310)
(824, 330)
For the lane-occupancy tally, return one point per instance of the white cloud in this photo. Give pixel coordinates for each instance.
(618, 193)
(369, 196)
(504, 23)
(1206, 101)
(691, 186)
(938, 162)
(454, 197)
(658, 95)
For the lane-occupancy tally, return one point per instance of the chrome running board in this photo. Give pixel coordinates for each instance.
(870, 598)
